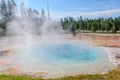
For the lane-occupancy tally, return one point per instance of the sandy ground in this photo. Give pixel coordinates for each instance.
(106, 40)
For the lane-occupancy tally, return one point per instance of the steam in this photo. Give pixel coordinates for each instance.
(26, 28)
(28, 24)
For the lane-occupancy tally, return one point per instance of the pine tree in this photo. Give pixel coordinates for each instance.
(11, 6)
(3, 10)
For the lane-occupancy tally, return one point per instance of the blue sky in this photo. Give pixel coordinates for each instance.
(76, 8)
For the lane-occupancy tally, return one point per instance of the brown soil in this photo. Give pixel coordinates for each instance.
(107, 40)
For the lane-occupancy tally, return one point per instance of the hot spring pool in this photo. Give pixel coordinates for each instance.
(62, 59)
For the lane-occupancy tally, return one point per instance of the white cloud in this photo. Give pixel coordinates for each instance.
(107, 13)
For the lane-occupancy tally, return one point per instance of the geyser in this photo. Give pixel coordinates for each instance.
(37, 46)
(62, 59)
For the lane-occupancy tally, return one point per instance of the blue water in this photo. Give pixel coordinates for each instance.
(65, 52)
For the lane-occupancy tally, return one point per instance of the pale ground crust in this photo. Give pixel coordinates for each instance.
(108, 42)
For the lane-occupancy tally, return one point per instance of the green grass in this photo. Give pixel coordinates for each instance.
(6, 77)
(112, 75)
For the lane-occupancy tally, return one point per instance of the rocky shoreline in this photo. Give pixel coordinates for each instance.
(113, 55)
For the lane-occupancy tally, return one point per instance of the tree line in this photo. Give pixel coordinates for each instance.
(9, 11)
(94, 25)
(6, 12)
